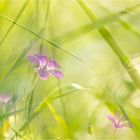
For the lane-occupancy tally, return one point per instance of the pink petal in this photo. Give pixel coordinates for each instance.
(111, 118)
(5, 98)
(54, 64)
(33, 59)
(57, 74)
(42, 58)
(43, 74)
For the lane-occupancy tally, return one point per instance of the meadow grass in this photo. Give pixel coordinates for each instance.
(95, 43)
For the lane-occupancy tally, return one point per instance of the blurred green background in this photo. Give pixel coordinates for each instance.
(96, 82)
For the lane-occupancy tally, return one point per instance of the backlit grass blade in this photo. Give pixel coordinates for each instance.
(17, 133)
(63, 95)
(19, 60)
(126, 116)
(45, 103)
(98, 23)
(124, 59)
(47, 12)
(8, 114)
(16, 19)
(75, 34)
(40, 36)
(21, 57)
(47, 41)
(125, 24)
(108, 98)
(29, 99)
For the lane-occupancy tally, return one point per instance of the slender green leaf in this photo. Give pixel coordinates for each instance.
(123, 57)
(98, 23)
(16, 19)
(47, 103)
(21, 57)
(124, 23)
(39, 36)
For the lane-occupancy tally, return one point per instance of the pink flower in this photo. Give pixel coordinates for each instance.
(119, 121)
(45, 67)
(5, 98)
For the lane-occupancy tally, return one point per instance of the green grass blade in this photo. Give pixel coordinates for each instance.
(124, 59)
(16, 19)
(16, 133)
(19, 60)
(125, 24)
(47, 41)
(47, 12)
(45, 103)
(8, 114)
(58, 118)
(21, 57)
(30, 103)
(126, 116)
(63, 95)
(98, 23)
(40, 36)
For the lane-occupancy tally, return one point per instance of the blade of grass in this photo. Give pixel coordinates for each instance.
(47, 41)
(47, 12)
(39, 36)
(125, 115)
(63, 95)
(6, 115)
(29, 102)
(122, 56)
(112, 95)
(19, 60)
(53, 50)
(21, 57)
(106, 96)
(98, 23)
(125, 24)
(29, 99)
(16, 19)
(36, 15)
(38, 109)
(16, 132)
(124, 59)
(47, 103)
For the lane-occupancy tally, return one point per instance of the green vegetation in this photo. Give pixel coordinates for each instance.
(96, 43)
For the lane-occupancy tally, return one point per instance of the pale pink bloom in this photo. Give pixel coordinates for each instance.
(45, 67)
(5, 98)
(119, 121)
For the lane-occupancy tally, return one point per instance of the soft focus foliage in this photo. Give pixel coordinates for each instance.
(79, 36)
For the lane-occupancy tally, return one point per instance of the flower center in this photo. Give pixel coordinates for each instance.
(45, 66)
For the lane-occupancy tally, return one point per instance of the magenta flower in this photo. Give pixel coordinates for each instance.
(5, 98)
(119, 121)
(45, 67)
